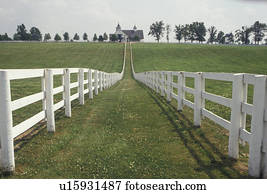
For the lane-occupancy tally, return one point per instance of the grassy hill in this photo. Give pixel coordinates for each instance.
(102, 56)
(200, 58)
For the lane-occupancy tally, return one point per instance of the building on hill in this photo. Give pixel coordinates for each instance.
(127, 35)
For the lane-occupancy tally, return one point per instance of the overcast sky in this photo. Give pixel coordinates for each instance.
(99, 16)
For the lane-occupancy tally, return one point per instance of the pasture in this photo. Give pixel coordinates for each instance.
(129, 131)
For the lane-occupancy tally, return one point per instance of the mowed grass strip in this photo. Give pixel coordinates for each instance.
(128, 131)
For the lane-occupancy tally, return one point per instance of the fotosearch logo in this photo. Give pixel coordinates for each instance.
(176, 186)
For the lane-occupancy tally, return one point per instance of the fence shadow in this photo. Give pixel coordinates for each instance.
(185, 130)
(27, 136)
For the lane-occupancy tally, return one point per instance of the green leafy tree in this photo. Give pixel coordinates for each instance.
(230, 39)
(76, 37)
(258, 31)
(200, 31)
(191, 33)
(157, 30)
(212, 34)
(136, 38)
(220, 37)
(47, 37)
(168, 31)
(66, 36)
(178, 33)
(100, 38)
(95, 38)
(35, 34)
(5, 37)
(57, 37)
(120, 37)
(113, 38)
(22, 33)
(243, 35)
(85, 36)
(185, 32)
(105, 36)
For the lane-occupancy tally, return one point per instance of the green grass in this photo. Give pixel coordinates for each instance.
(101, 56)
(204, 58)
(200, 58)
(128, 131)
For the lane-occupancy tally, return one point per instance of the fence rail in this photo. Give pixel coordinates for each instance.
(162, 82)
(96, 81)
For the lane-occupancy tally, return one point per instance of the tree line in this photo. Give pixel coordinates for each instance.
(198, 32)
(35, 34)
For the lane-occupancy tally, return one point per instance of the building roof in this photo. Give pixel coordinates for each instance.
(133, 33)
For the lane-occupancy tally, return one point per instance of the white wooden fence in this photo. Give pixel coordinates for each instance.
(96, 81)
(163, 82)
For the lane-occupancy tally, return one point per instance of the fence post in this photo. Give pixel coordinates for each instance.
(43, 90)
(81, 86)
(67, 92)
(6, 123)
(90, 84)
(157, 81)
(49, 85)
(264, 150)
(257, 127)
(236, 115)
(169, 75)
(199, 101)
(104, 80)
(96, 82)
(162, 84)
(101, 81)
(181, 94)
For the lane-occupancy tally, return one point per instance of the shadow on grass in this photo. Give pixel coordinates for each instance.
(26, 137)
(186, 132)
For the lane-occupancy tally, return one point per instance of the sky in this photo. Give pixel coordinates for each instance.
(99, 16)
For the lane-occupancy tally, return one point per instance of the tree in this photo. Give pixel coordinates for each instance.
(212, 33)
(4, 37)
(76, 37)
(57, 37)
(200, 31)
(85, 36)
(220, 37)
(230, 38)
(47, 37)
(258, 31)
(66, 36)
(100, 38)
(243, 35)
(168, 31)
(113, 38)
(191, 33)
(22, 33)
(185, 32)
(156, 30)
(35, 34)
(136, 38)
(105, 36)
(178, 32)
(95, 38)
(120, 37)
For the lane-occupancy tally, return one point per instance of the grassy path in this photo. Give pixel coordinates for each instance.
(128, 132)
